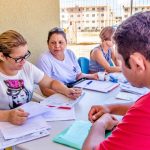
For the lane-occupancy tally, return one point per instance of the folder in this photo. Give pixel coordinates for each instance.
(75, 135)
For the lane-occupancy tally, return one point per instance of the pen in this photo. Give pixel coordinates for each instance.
(89, 82)
(112, 79)
(59, 107)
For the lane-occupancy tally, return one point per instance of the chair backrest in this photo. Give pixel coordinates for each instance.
(84, 64)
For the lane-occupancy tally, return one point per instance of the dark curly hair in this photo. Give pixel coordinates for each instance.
(133, 35)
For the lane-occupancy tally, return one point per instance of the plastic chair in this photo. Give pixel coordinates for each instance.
(84, 64)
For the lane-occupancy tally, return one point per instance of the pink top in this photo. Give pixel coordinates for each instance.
(133, 133)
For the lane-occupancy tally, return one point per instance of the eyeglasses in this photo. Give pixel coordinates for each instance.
(20, 59)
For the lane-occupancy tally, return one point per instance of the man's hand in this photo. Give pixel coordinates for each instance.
(108, 120)
(17, 116)
(73, 93)
(97, 111)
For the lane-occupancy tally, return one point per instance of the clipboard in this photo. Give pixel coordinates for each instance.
(96, 85)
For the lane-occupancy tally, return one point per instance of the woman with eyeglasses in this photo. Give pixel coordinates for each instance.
(17, 77)
(59, 62)
(103, 56)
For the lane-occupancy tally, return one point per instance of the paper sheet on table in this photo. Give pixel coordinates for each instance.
(11, 142)
(32, 125)
(34, 108)
(128, 96)
(56, 114)
(100, 86)
(131, 89)
(60, 100)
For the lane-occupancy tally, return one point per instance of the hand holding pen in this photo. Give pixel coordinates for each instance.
(73, 93)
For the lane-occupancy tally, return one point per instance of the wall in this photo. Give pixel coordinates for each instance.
(32, 18)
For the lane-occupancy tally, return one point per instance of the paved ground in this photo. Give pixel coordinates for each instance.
(82, 50)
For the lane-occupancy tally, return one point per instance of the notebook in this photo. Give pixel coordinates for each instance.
(75, 135)
(95, 85)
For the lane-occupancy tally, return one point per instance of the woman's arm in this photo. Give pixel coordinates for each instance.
(114, 57)
(47, 92)
(97, 56)
(59, 87)
(93, 76)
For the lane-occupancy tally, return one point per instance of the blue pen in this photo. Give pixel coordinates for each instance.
(89, 82)
(112, 79)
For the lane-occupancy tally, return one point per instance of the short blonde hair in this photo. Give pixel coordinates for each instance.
(9, 40)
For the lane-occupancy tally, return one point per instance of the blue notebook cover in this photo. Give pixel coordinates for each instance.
(75, 135)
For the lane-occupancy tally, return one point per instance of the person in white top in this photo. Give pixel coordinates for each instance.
(59, 62)
(17, 78)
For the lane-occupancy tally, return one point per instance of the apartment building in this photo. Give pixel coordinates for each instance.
(127, 10)
(89, 18)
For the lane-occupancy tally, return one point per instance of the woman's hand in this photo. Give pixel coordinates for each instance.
(73, 93)
(97, 111)
(17, 116)
(95, 76)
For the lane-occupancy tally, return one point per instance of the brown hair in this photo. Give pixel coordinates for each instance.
(9, 40)
(106, 33)
(56, 30)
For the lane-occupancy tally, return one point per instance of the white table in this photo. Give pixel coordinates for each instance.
(81, 109)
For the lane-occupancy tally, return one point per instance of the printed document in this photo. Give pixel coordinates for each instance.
(56, 114)
(128, 96)
(11, 142)
(32, 125)
(59, 100)
(131, 89)
(34, 108)
(100, 86)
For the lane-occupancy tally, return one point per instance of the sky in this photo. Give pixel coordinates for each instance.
(116, 5)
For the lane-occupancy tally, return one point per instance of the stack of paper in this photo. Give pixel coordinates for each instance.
(11, 142)
(34, 127)
(100, 86)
